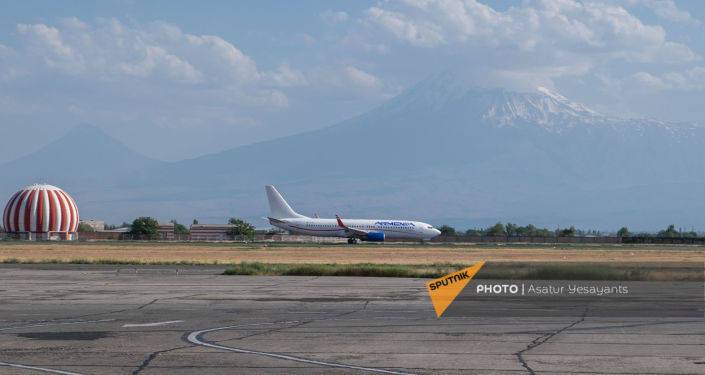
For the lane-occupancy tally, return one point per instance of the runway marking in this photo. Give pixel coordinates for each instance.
(194, 337)
(39, 369)
(152, 324)
(56, 324)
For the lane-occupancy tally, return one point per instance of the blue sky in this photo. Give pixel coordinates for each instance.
(179, 79)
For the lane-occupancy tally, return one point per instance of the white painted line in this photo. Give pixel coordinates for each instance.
(155, 324)
(15, 365)
(194, 338)
(57, 324)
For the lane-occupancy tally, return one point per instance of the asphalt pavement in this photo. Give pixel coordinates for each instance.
(83, 319)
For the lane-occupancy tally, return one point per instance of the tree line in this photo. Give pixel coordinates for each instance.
(146, 227)
(513, 230)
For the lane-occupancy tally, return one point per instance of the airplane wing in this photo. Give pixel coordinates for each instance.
(351, 231)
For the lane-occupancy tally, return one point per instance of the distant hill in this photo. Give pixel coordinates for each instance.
(442, 152)
(85, 161)
(86, 154)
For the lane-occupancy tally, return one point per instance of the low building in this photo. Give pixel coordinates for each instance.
(97, 225)
(210, 232)
(166, 232)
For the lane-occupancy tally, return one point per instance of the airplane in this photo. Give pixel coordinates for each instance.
(284, 217)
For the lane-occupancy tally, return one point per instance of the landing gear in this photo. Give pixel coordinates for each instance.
(352, 241)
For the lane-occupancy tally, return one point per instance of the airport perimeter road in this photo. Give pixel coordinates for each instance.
(168, 320)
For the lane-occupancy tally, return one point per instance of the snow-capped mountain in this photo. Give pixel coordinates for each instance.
(544, 108)
(446, 152)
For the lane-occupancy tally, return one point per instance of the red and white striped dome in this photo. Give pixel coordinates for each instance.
(40, 209)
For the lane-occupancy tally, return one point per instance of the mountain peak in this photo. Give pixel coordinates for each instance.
(449, 93)
(545, 108)
(68, 159)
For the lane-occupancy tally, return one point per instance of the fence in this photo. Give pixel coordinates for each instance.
(200, 237)
(573, 240)
(122, 236)
(527, 239)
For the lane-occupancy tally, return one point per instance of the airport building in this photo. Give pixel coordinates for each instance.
(41, 212)
(210, 232)
(97, 225)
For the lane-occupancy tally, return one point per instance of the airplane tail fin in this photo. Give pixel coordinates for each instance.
(278, 208)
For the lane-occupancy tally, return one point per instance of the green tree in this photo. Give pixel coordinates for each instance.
(512, 229)
(568, 232)
(85, 228)
(623, 232)
(497, 230)
(475, 232)
(669, 232)
(144, 228)
(447, 230)
(690, 234)
(179, 228)
(240, 228)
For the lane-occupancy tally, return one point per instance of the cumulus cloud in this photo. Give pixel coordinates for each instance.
(361, 78)
(540, 40)
(688, 80)
(416, 32)
(337, 79)
(110, 50)
(668, 10)
(566, 25)
(286, 76)
(159, 53)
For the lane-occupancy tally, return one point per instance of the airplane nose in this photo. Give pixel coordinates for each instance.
(436, 232)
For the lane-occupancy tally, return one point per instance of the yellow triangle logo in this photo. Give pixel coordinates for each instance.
(444, 290)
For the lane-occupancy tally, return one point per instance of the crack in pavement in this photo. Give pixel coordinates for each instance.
(140, 307)
(154, 355)
(196, 338)
(542, 340)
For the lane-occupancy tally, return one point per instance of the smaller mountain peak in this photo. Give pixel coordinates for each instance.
(86, 128)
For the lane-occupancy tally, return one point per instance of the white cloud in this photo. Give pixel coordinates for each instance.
(361, 78)
(692, 79)
(532, 43)
(333, 17)
(563, 25)
(111, 50)
(160, 53)
(668, 10)
(286, 76)
(415, 32)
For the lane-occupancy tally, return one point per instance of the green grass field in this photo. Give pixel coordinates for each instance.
(513, 271)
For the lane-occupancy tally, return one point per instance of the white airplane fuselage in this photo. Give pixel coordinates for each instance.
(400, 229)
(284, 217)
